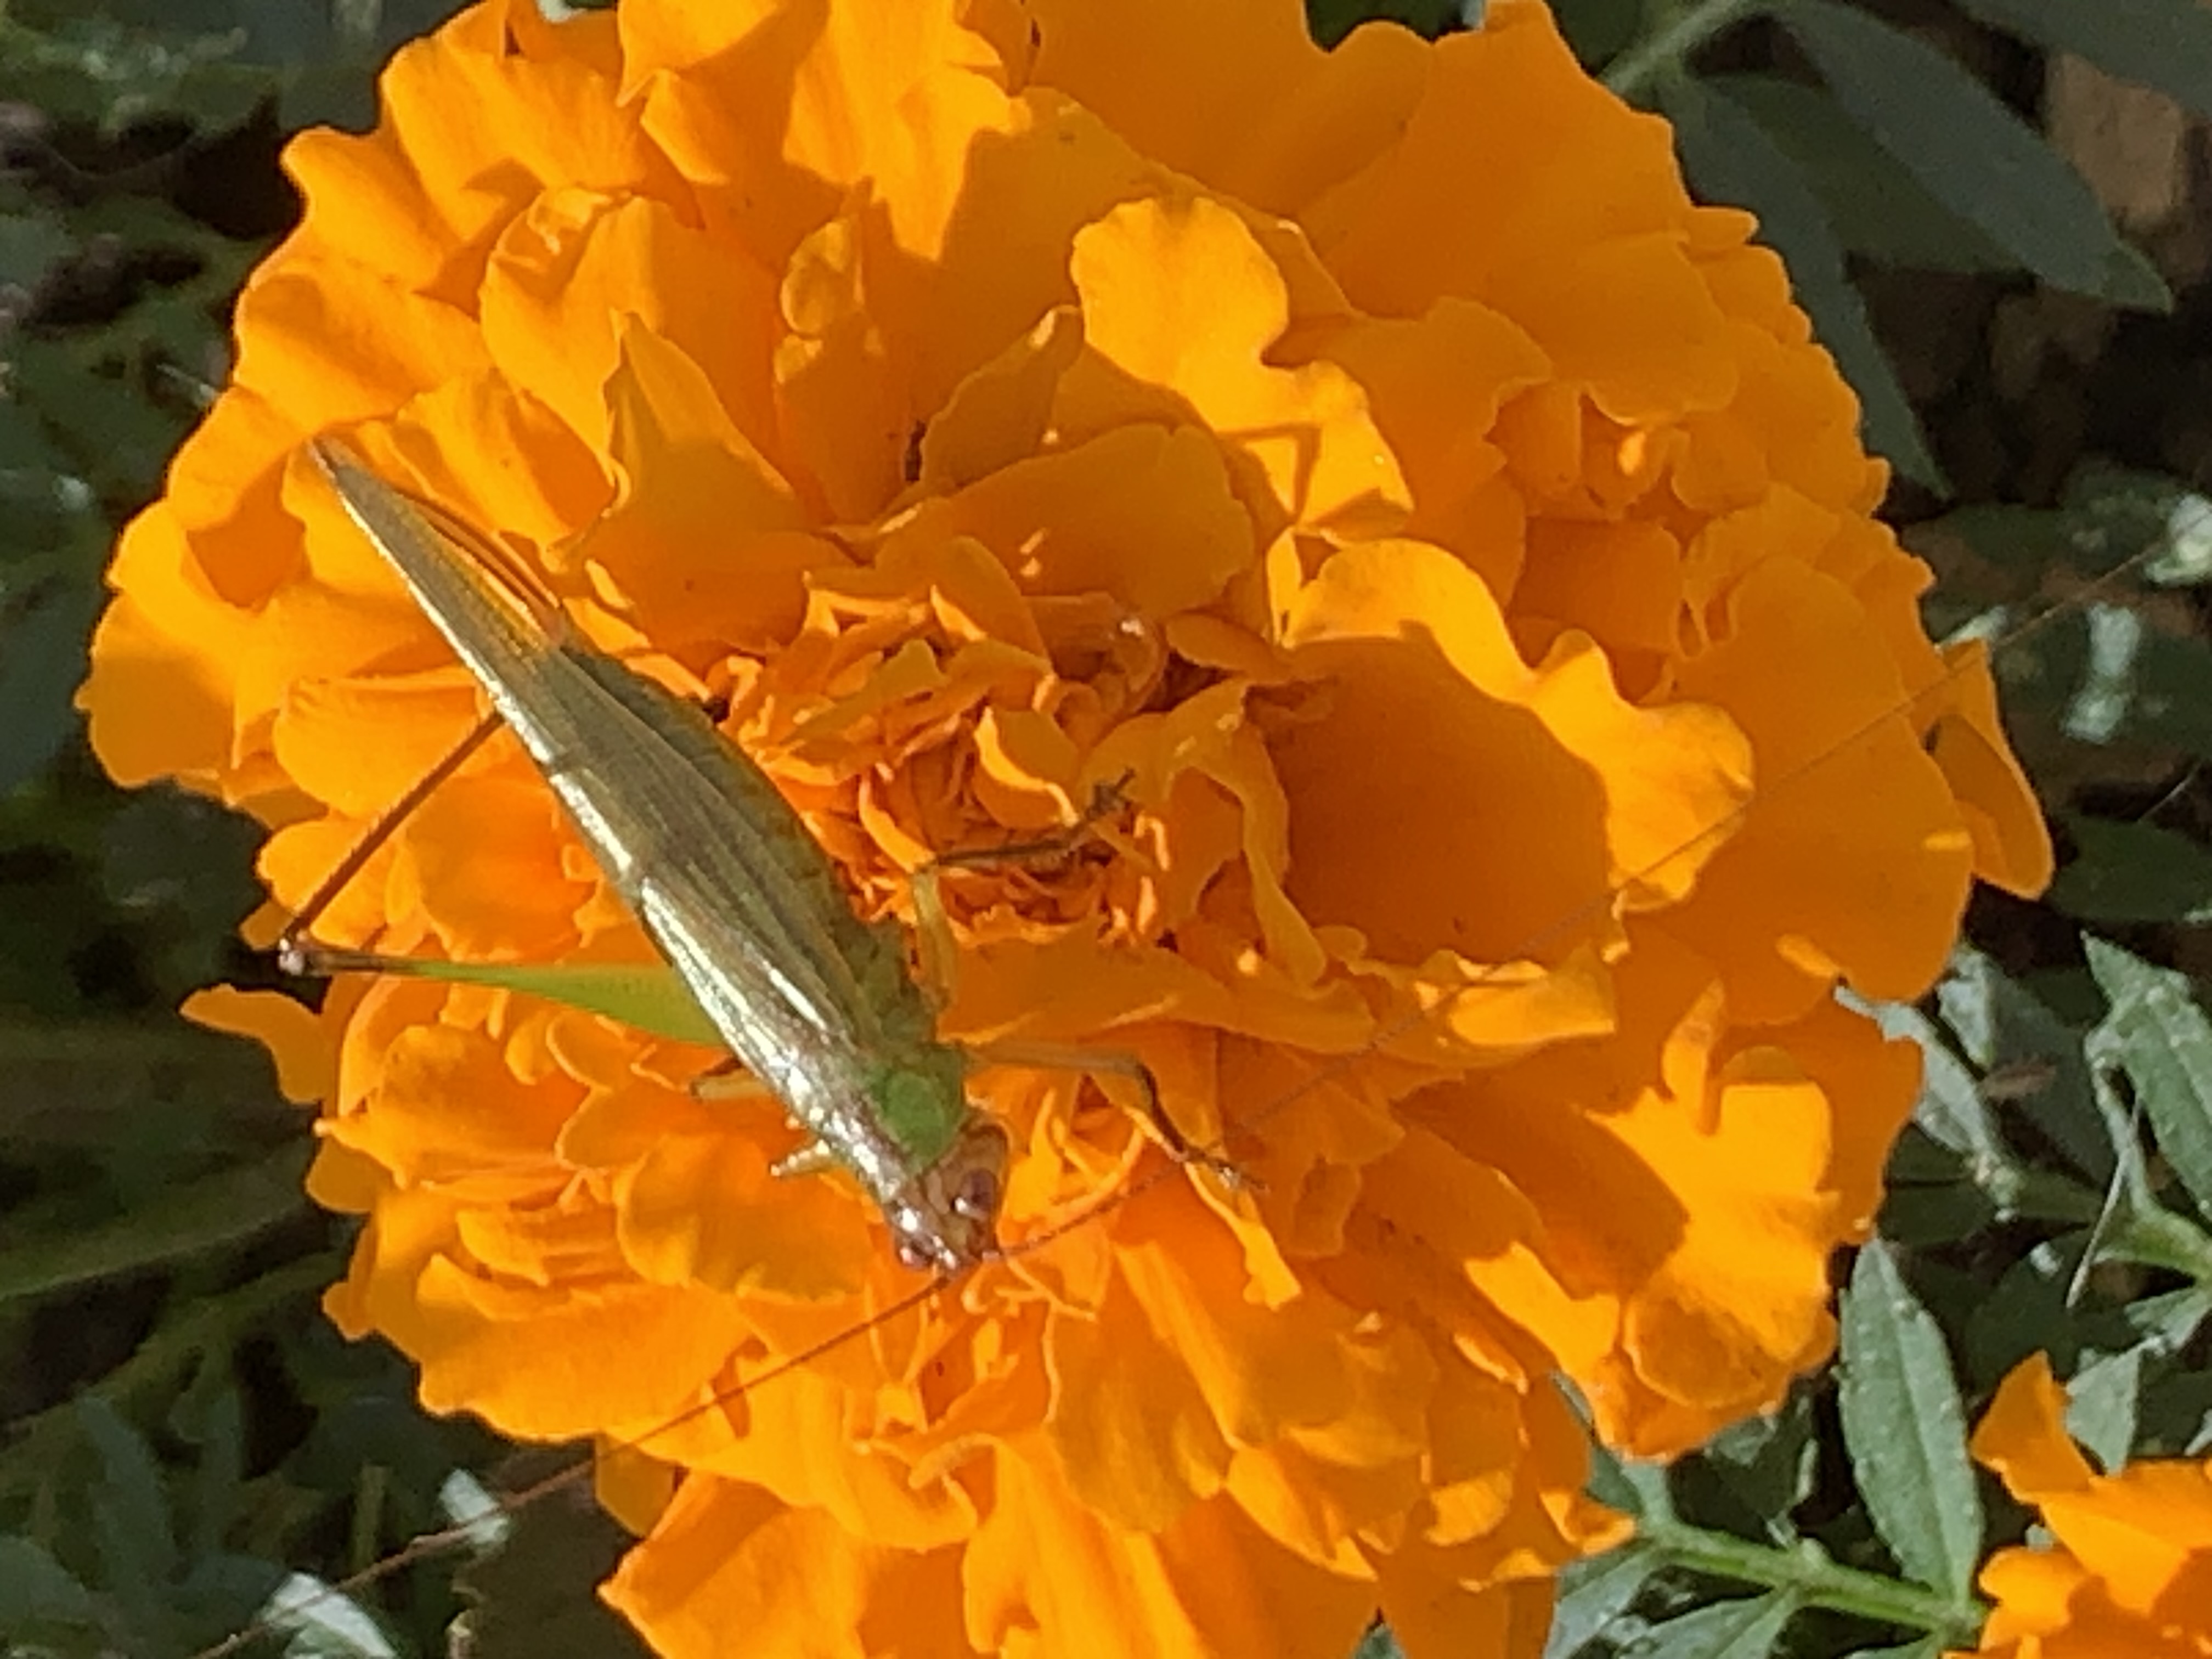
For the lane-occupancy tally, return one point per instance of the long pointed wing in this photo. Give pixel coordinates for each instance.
(718, 868)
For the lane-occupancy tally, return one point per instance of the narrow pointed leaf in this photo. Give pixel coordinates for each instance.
(2125, 872)
(1905, 1429)
(2101, 1405)
(1596, 1591)
(217, 1210)
(2155, 1033)
(1729, 157)
(1967, 149)
(38, 1595)
(1878, 208)
(2165, 44)
(1725, 1629)
(2002, 1026)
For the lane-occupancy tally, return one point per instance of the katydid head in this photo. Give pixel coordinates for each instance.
(946, 1219)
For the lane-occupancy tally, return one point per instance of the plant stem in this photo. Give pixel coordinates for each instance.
(1632, 72)
(1816, 1580)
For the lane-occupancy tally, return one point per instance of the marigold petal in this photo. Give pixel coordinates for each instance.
(1129, 1424)
(488, 857)
(1143, 512)
(1854, 858)
(471, 128)
(358, 746)
(884, 1499)
(1434, 1611)
(1181, 306)
(702, 540)
(704, 1209)
(1437, 386)
(1742, 1300)
(334, 340)
(2139, 1531)
(1566, 167)
(445, 1104)
(2022, 1436)
(1420, 667)
(1041, 1566)
(550, 1364)
(160, 698)
(1167, 78)
(726, 1556)
(2012, 843)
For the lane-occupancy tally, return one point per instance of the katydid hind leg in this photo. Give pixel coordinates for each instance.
(1106, 799)
(1116, 1062)
(939, 953)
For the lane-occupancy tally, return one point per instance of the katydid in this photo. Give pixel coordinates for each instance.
(816, 1003)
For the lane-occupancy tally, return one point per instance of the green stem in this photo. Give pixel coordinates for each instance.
(2140, 1231)
(1816, 1580)
(1633, 72)
(2160, 1238)
(2037, 1194)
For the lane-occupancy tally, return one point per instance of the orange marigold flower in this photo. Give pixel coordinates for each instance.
(2128, 1573)
(1444, 525)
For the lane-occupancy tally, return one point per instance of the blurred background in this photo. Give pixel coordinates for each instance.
(1997, 211)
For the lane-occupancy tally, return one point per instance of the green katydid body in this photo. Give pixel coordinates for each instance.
(816, 1003)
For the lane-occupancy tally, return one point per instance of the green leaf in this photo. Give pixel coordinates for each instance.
(1878, 208)
(2156, 1034)
(1905, 1429)
(2101, 1405)
(44, 629)
(1729, 157)
(2167, 1322)
(2105, 517)
(1766, 1463)
(1378, 1643)
(109, 432)
(1599, 30)
(1593, 1591)
(30, 245)
(2004, 1028)
(2133, 872)
(38, 1596)
(1746, 1629)
(219, 1473)
(215, 1211)
(131, 1512)
(1950, 1110)
(1967, 149)
(2025, 1310)
(2165, 44)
